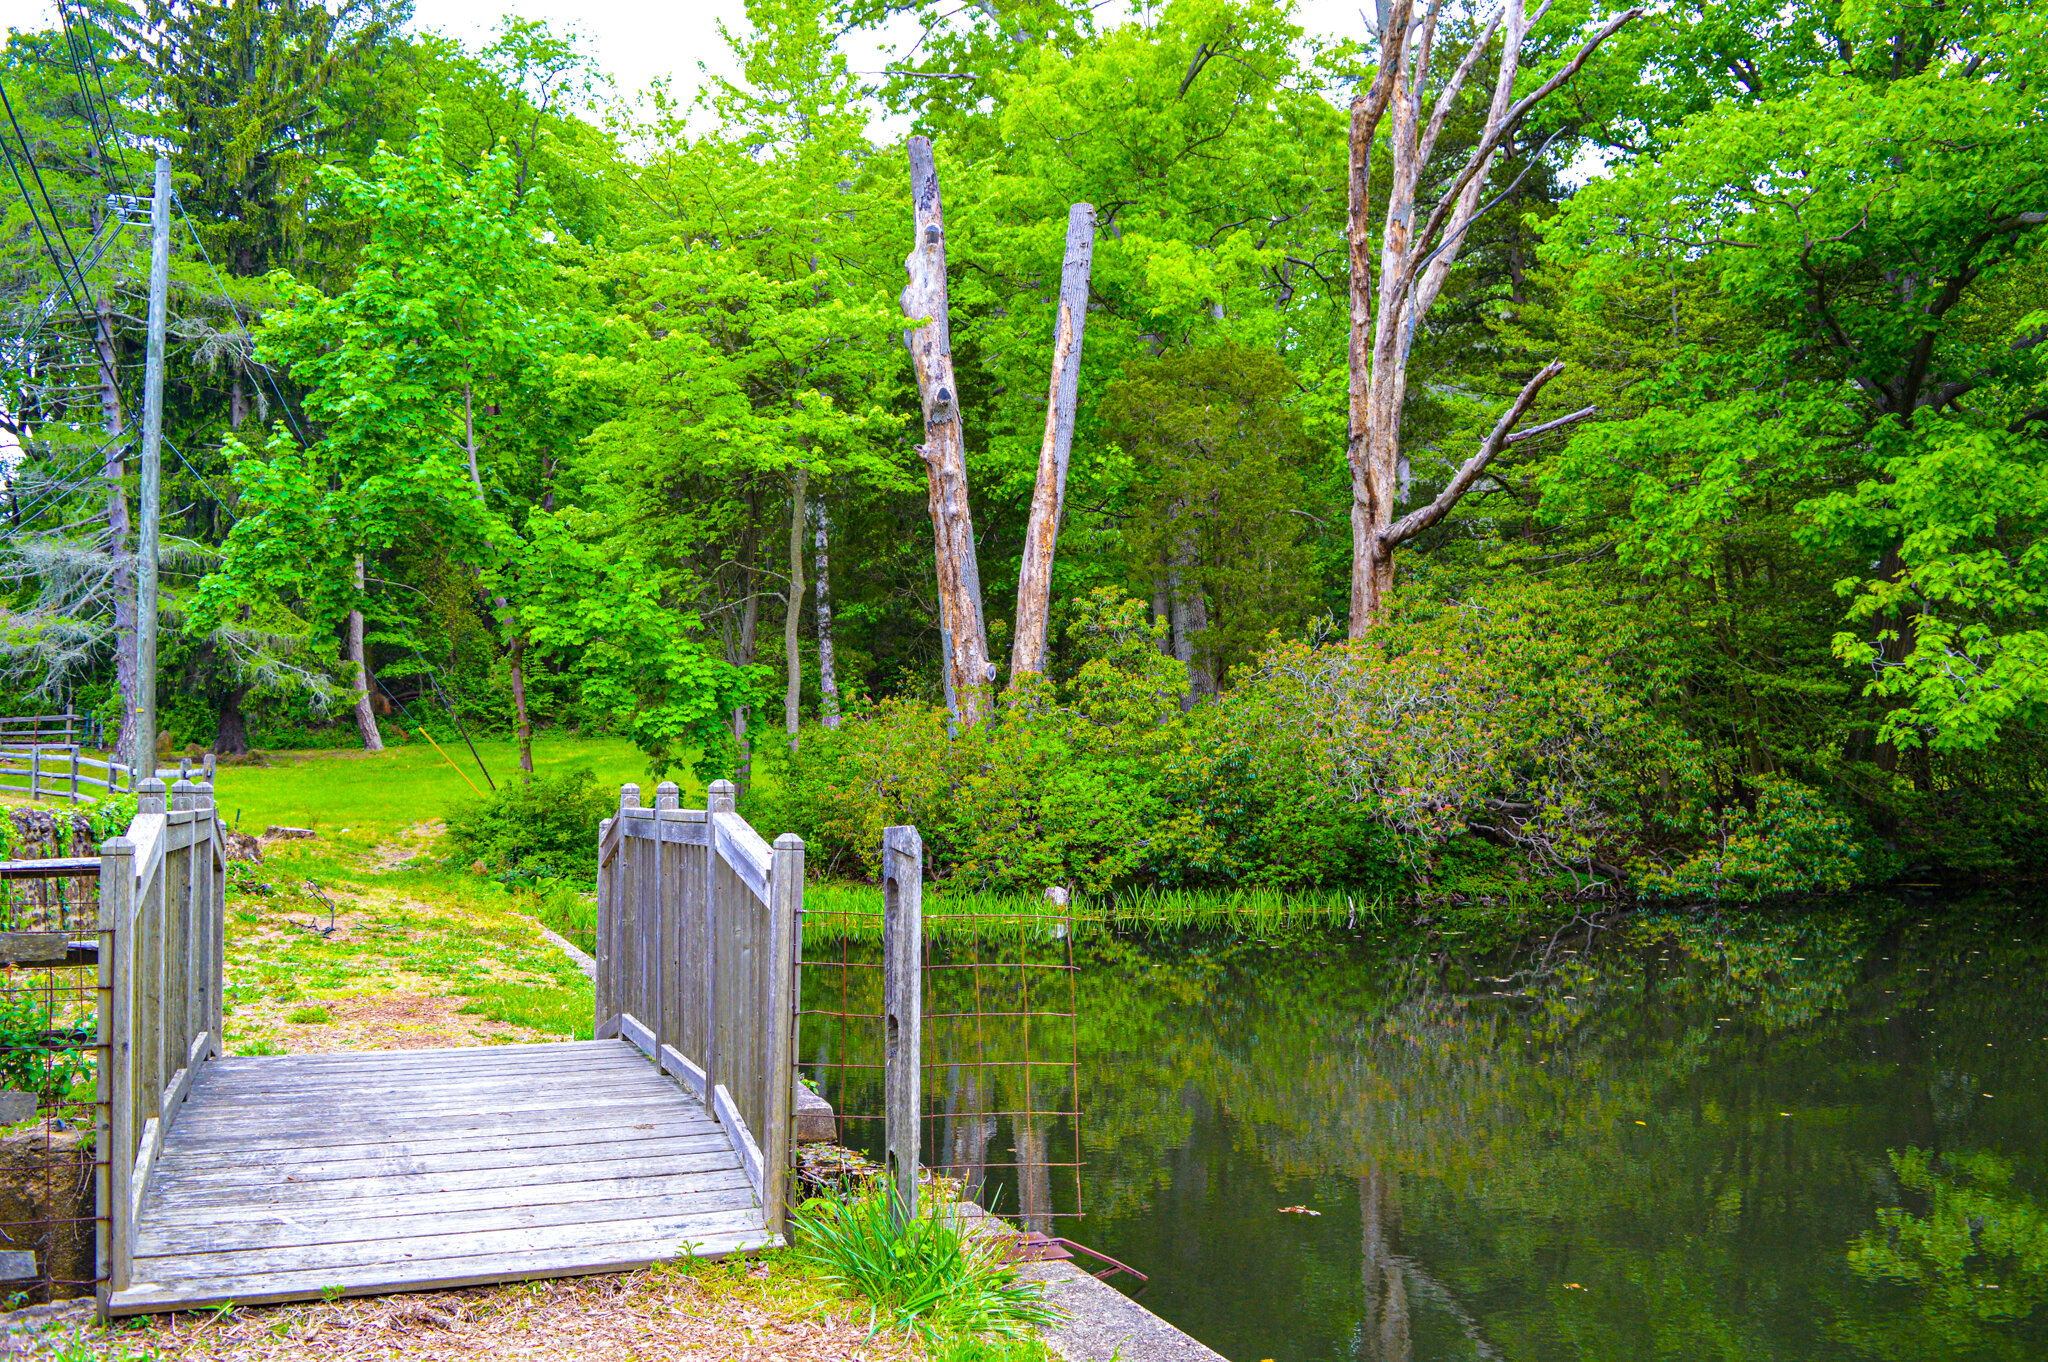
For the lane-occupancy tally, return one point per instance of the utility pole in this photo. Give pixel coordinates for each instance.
(152, 474)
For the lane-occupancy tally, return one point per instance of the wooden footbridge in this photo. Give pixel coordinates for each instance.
(294, 1177)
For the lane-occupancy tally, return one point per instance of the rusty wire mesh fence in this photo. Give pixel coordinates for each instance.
(49, 1003)
(1001, 1109)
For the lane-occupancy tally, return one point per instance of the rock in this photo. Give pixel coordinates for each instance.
(275, 833)
(243, 847)
(1056, 895)
(814, 1121)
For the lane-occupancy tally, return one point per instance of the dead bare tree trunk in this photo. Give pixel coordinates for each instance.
(1415, 262)
(930, 340)
(743, 654)
(359, 666)
(1049, 497)
(792, 698)
(828, 670)
(122, 577)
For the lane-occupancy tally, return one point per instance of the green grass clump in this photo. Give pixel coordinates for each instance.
(928, 1275)
(308, 1016)
(551, 1011)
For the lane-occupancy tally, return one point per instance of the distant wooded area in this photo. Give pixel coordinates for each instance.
(1570, 443)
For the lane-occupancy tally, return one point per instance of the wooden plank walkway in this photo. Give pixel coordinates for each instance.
(289, 1177)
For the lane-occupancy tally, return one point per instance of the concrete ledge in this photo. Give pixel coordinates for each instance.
(1103, 1323)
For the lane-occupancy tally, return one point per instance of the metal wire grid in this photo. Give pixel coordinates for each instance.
(49, 1104)
(1000, 1053)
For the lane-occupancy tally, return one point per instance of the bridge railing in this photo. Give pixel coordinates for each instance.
(162, 901)
(699, 932)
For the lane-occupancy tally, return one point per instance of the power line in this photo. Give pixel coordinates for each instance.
(283, 406)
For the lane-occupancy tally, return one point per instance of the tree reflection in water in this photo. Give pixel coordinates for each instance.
(1657, 1136)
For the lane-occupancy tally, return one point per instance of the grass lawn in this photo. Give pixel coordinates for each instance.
(358, 798)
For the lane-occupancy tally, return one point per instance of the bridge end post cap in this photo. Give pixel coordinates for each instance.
(629, 796)
(789, 841)
(667, 796)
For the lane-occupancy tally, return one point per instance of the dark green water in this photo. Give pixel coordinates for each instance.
(1805, 1135)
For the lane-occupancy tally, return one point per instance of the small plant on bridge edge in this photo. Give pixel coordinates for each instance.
(932, 1273)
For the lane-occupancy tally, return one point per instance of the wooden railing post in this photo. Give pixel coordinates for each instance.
(777, 1023)
(148, 1012)
(76, 793)
(902, 1013)
(607, 905)
(661, 938)
(625, 906)
(116, 1083)
(213, 939)
(181, 923)
(721, 796)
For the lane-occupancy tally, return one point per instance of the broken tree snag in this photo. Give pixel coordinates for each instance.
(1048, 500)
(1415, 262)
(945, 451)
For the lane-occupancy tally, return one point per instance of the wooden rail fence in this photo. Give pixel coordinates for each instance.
(699, 934)
(162, 901)
(65, 772)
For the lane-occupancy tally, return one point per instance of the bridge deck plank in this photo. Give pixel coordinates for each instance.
(290, 1177)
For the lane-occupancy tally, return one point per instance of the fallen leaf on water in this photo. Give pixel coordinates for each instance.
(1573, 1286)
(1298, 1210)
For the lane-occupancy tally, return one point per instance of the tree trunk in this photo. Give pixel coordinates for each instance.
(358, 656)
(238, 399)
(122, 577)
(1049, 496)
(793, 695)
(517, 656)
(231, 726)
(924, 301)
(1415, 261)
(828, 672)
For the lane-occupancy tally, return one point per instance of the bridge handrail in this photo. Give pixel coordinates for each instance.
(162, 903)
(699, 934)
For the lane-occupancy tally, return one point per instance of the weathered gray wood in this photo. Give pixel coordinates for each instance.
(306, 1114)
(720, 797)
(399, 1221)
(740, 847)
(930, 341)
(344, 1164)
(193, 1188)
(223, 1152)
(117, 971)
(464, 1242)
(167, 1207)
(34, 948)
(16, 1106)
(742, 1139)
(777, 1025)
(17, 1265)
(637, 1031)
(680, 1065)
(902, 1011)
(476, 1270)
(1049, 494)
(51, 868)
(521, 1056)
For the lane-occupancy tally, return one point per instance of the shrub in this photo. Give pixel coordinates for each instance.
(1791, 842)
(929, 1274)
(546, 827)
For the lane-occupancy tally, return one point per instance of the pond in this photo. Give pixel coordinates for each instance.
(1801, 1135)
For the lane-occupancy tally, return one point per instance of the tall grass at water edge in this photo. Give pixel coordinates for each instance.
(836, 910)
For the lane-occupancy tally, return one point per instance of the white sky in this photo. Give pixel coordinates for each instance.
(637, 41)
